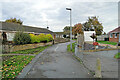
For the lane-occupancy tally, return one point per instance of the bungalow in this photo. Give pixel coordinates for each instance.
(58, 35)
(114, 35)
(9, 29)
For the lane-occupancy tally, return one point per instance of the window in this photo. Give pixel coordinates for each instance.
(111, 35)
(115, 35)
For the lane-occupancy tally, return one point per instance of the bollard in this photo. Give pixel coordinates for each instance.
(98, 69)
(76, 49)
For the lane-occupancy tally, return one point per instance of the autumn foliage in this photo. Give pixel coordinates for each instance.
(14, 20)
(77, 29)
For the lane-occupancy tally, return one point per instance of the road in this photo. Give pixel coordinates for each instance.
(56, 62)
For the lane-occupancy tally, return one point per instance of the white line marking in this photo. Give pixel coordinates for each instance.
(56, 48)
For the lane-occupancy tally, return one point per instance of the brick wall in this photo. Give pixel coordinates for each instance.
(113, 39)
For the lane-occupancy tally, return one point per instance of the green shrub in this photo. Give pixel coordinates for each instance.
(42, 38)
(21, 38)
(34, 38)
(64, 36)
(49, 37)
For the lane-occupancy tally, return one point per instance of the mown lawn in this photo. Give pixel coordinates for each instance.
(31, 51)
(117, 56)
(13, 65)
(73, 47)
(107, 42)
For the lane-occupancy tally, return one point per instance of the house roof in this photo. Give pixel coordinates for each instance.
(115, 30)
(18, 27)
(59, 32)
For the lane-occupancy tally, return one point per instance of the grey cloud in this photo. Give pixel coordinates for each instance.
(37, 13)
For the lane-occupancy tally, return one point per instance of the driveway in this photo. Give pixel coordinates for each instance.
(56, 62)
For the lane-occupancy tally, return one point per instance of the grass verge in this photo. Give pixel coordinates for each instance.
(31, 51)
(13, 65)
(74, 39)
(77, 58)
(107, 42)
(117, 56)
(73, 47)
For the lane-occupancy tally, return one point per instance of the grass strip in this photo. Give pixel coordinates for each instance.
(117, 56)
(107, 42)
(81, 62)
(73, 47)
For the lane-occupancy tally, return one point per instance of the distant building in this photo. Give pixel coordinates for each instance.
(9, 29)
(102, 37)
(114, 35)
(58, 35)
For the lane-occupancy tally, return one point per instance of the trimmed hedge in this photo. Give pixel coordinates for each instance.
(34, 38)
(41, 38)
(49, 37)
(21, 38)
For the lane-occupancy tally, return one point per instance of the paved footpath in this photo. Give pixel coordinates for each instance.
(56, 62)
(109, 65)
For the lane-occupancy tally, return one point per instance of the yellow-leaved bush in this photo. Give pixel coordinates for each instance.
(41, 38)
(49, 37)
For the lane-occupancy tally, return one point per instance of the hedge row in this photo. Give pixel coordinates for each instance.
(41, 38)
(24, 38)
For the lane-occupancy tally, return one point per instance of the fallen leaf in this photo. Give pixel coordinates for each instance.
(42, 62)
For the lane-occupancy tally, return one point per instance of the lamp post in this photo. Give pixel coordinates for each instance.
(70, 27)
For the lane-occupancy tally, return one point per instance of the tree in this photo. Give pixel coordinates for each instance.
(104, 33)
(64, 36)
(93, 24)
(93, 36)
(78, 28)
(14, 20)
(66, 30)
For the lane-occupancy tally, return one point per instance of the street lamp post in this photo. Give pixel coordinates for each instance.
(70, 27)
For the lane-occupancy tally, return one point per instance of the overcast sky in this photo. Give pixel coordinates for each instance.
(38, 12)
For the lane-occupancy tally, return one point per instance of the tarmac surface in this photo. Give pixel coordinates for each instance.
(55, 62)
(109, 65)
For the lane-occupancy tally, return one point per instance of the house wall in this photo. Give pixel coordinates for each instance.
(102, 37)
(10, 36)
(58, 36)
(113, 39)
(87, 35)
